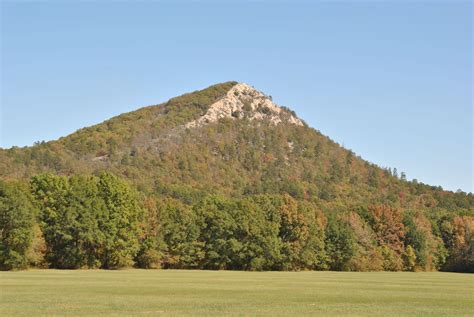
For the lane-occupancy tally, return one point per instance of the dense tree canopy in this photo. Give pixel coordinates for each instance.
(86, 221)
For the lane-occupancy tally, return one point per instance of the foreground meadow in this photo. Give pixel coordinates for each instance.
(180, 292)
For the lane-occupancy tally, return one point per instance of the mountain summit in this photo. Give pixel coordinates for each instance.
(244, 101)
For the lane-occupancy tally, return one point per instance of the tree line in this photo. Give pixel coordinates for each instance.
(89, 221)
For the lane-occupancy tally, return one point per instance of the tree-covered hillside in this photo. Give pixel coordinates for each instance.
(222, 178)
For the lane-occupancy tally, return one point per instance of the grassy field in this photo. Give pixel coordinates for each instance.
(218, 293)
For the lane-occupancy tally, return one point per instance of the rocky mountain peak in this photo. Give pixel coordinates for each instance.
(244, 101)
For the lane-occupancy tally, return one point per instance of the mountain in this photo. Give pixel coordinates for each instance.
(234, 141)
(228, 138)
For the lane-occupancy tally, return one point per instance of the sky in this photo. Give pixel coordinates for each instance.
(391, 80)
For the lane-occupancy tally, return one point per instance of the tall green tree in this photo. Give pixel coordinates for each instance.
(121, 224)
(180, 231)
(59, 221)
(340, 243)
(218, 231)
(151, 241)
(88, 221)
(17, 218)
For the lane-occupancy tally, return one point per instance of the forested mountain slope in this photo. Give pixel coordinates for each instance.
(227, 146)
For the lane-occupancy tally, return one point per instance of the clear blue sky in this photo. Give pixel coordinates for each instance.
(390, 80)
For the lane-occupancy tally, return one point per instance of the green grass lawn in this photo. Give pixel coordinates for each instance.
(218, 293)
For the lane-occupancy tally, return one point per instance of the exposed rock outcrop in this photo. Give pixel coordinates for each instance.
(244, 101)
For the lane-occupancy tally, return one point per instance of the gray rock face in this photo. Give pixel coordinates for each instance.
(244, 101)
